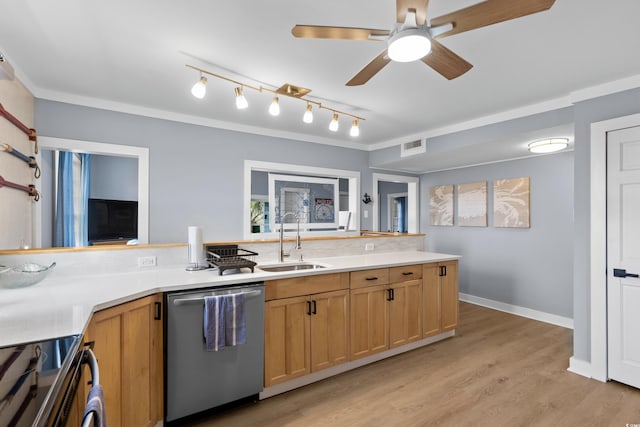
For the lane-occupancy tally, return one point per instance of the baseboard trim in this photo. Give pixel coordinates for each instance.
(347, 366)
(579, 367)
(565, 322)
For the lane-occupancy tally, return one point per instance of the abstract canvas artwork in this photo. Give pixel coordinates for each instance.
(472, 204)
(511, 202)
(441, 205)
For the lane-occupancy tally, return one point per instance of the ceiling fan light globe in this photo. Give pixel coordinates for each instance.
(409, 45)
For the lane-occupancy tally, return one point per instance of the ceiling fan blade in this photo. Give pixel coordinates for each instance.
(370, 70)
(489, 12)
(345, 33)
(420, 7)
(445, 61)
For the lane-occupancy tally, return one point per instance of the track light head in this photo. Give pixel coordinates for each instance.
(241, 101)
(200, 88)
(308, 115)
(334, 125)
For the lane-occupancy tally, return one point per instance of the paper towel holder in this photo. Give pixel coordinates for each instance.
(195, 250)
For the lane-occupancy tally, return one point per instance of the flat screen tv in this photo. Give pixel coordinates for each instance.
(112, 220)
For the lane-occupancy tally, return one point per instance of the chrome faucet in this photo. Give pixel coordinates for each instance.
(282, 253)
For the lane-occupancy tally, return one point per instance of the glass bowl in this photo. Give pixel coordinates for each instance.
(23, 275)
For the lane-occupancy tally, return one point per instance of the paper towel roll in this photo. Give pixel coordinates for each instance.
(195, 245)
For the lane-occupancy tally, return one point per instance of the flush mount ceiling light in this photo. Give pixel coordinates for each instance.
(411, 42)
(288, 90)
(549, 145)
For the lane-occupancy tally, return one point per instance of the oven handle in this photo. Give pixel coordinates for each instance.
(184, 301)
(95, 380)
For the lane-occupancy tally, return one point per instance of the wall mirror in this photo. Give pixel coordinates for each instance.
(107, 158)
(396, 204)
(324, 201)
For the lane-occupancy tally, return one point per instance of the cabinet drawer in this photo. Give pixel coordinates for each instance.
(305, 285)
(364, 278)
(405, 272)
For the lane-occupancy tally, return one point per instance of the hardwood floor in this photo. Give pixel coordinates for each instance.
(499, 370)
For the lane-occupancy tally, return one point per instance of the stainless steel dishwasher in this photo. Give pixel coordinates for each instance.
(198, 380)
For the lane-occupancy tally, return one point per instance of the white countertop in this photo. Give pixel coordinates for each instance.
(62, 304)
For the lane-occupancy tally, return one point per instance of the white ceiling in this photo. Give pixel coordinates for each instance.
(131, 55)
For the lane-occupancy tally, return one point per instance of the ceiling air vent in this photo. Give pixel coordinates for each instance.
(414, 147)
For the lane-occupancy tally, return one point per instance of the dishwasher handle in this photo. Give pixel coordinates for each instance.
(184, 301)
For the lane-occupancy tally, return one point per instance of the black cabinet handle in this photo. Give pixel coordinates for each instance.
(314, 307)
(393, 294)
(407, 273)
(158, 307)
(371, 278)
(443, 270)
(309, 308)
(389, 294)
(619, 272)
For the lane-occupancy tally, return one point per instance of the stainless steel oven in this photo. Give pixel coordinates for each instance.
(38, 381)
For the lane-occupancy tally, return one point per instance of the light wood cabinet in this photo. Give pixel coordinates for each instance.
(385, 315)
(369, 320)
(305, 332)
(128, 346)
(405, 313)
(440, 297)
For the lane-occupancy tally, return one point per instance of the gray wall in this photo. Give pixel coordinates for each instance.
(196, 172)
(587, 112)
(526, 267)
(113, 178)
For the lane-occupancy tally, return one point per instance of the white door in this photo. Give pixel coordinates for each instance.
(623, 255)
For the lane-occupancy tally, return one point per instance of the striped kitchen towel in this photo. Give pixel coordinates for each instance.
(235, 326)
(214, 322)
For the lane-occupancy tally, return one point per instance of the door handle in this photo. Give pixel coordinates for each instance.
(309, 308)
(619, 272)
(314, 307)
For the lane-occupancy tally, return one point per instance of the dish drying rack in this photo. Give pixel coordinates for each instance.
(230, 257)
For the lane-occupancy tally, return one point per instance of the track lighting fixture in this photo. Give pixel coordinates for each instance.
(200, 88)
(355, 130)
(289, 90)
(241, 101)
(308, 115)
(274, 108)
(333, 126)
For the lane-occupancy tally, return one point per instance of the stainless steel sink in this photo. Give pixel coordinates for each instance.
(290, 267)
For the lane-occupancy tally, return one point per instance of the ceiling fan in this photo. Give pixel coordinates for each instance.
(416, 38)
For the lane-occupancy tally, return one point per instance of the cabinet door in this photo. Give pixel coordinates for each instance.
(287, 328)
(329, 329)
(369, 321)
(405, 313)
(128, 346)
(449, 295)
(430, 299)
